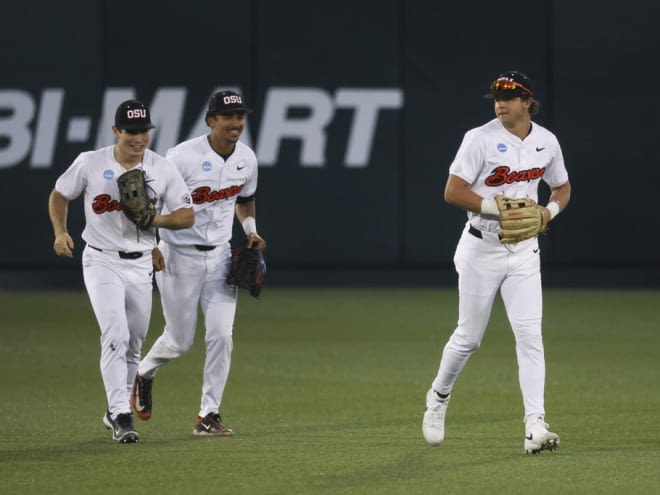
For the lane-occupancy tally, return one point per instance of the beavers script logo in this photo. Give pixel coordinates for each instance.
(104, 203)
(503, 175)
(206, 195)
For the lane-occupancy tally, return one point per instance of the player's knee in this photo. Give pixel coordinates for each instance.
(464, 345)
(177, 346)
(527, 331)
(220, 340)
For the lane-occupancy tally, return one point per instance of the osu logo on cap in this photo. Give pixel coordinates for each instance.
(229, 99)
(137, 113)
(133, 115)
(226, 103)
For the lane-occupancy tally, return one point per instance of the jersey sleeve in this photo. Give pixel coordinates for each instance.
(469, 158)
(73, 181)
(250, 187)
(556, 173)
(176, 195)
(175, 156)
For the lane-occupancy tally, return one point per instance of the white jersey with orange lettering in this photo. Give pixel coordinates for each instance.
(106, 227)
(215, 185)
(197, 261)
(494, 161)
(117, 262)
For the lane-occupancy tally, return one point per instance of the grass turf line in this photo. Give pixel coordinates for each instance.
(326, 395)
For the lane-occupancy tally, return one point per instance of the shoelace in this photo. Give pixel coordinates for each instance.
(541, 425)
(438, 410)
(123, 420)
(213, 420)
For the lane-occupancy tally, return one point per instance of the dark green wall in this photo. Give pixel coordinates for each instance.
(594, 70)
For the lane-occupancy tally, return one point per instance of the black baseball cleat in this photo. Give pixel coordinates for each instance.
(141, 397)
(122, 427)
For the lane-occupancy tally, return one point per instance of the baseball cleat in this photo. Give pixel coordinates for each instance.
(211, 426)
(537, 436)
(433, 425)
(122, 427)
(141, 397)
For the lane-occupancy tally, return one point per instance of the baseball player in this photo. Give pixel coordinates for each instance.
(221, 173)
(117, 259)
(509, 155)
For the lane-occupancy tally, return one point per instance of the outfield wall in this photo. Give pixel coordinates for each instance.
(359, 108)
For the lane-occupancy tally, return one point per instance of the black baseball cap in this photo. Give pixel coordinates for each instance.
(133, 115)
(226, 102)
(511, 84)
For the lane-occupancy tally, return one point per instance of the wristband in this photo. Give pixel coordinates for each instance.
(249, 225)
(489, 207)
(553, 208)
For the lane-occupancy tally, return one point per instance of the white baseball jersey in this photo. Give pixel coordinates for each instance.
(215, 184)
(106, 227)
(494, 161)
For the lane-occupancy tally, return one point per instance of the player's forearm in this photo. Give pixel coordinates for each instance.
(245, 213)
(459, 194)
(244, 210)
(58, 207)
(561, 195)
(182, 218)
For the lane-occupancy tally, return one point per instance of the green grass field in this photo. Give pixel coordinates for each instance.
(326, 395)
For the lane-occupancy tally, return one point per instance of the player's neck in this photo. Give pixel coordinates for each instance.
(520, 129)
(125, 160)
(222, 147)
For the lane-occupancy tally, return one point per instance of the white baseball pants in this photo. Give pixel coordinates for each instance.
(485, 266)
(120, 291)
(196, 278)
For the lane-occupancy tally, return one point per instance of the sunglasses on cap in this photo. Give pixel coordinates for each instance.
(506, 84)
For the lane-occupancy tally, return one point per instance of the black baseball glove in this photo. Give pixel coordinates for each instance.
(134, 198)
(247, 269)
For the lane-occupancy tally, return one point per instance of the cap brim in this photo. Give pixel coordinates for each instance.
(135, 127)
(229, 111)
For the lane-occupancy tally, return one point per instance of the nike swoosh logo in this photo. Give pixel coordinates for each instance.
(151, 273)
(240, 168)
(206, 427)
(528, 437)
(538, 148)
(139, 406)
(536, 250)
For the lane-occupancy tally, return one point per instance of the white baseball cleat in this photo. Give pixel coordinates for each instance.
(537, 436)
(433, 425)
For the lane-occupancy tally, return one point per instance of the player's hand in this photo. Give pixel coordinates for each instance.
(157, 260)
(256, 242)
(63, 245)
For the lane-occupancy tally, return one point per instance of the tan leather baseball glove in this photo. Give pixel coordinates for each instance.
(520, 219)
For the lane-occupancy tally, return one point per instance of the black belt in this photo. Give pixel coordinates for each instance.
(201, 247)
(475, 232)
(123, 254)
